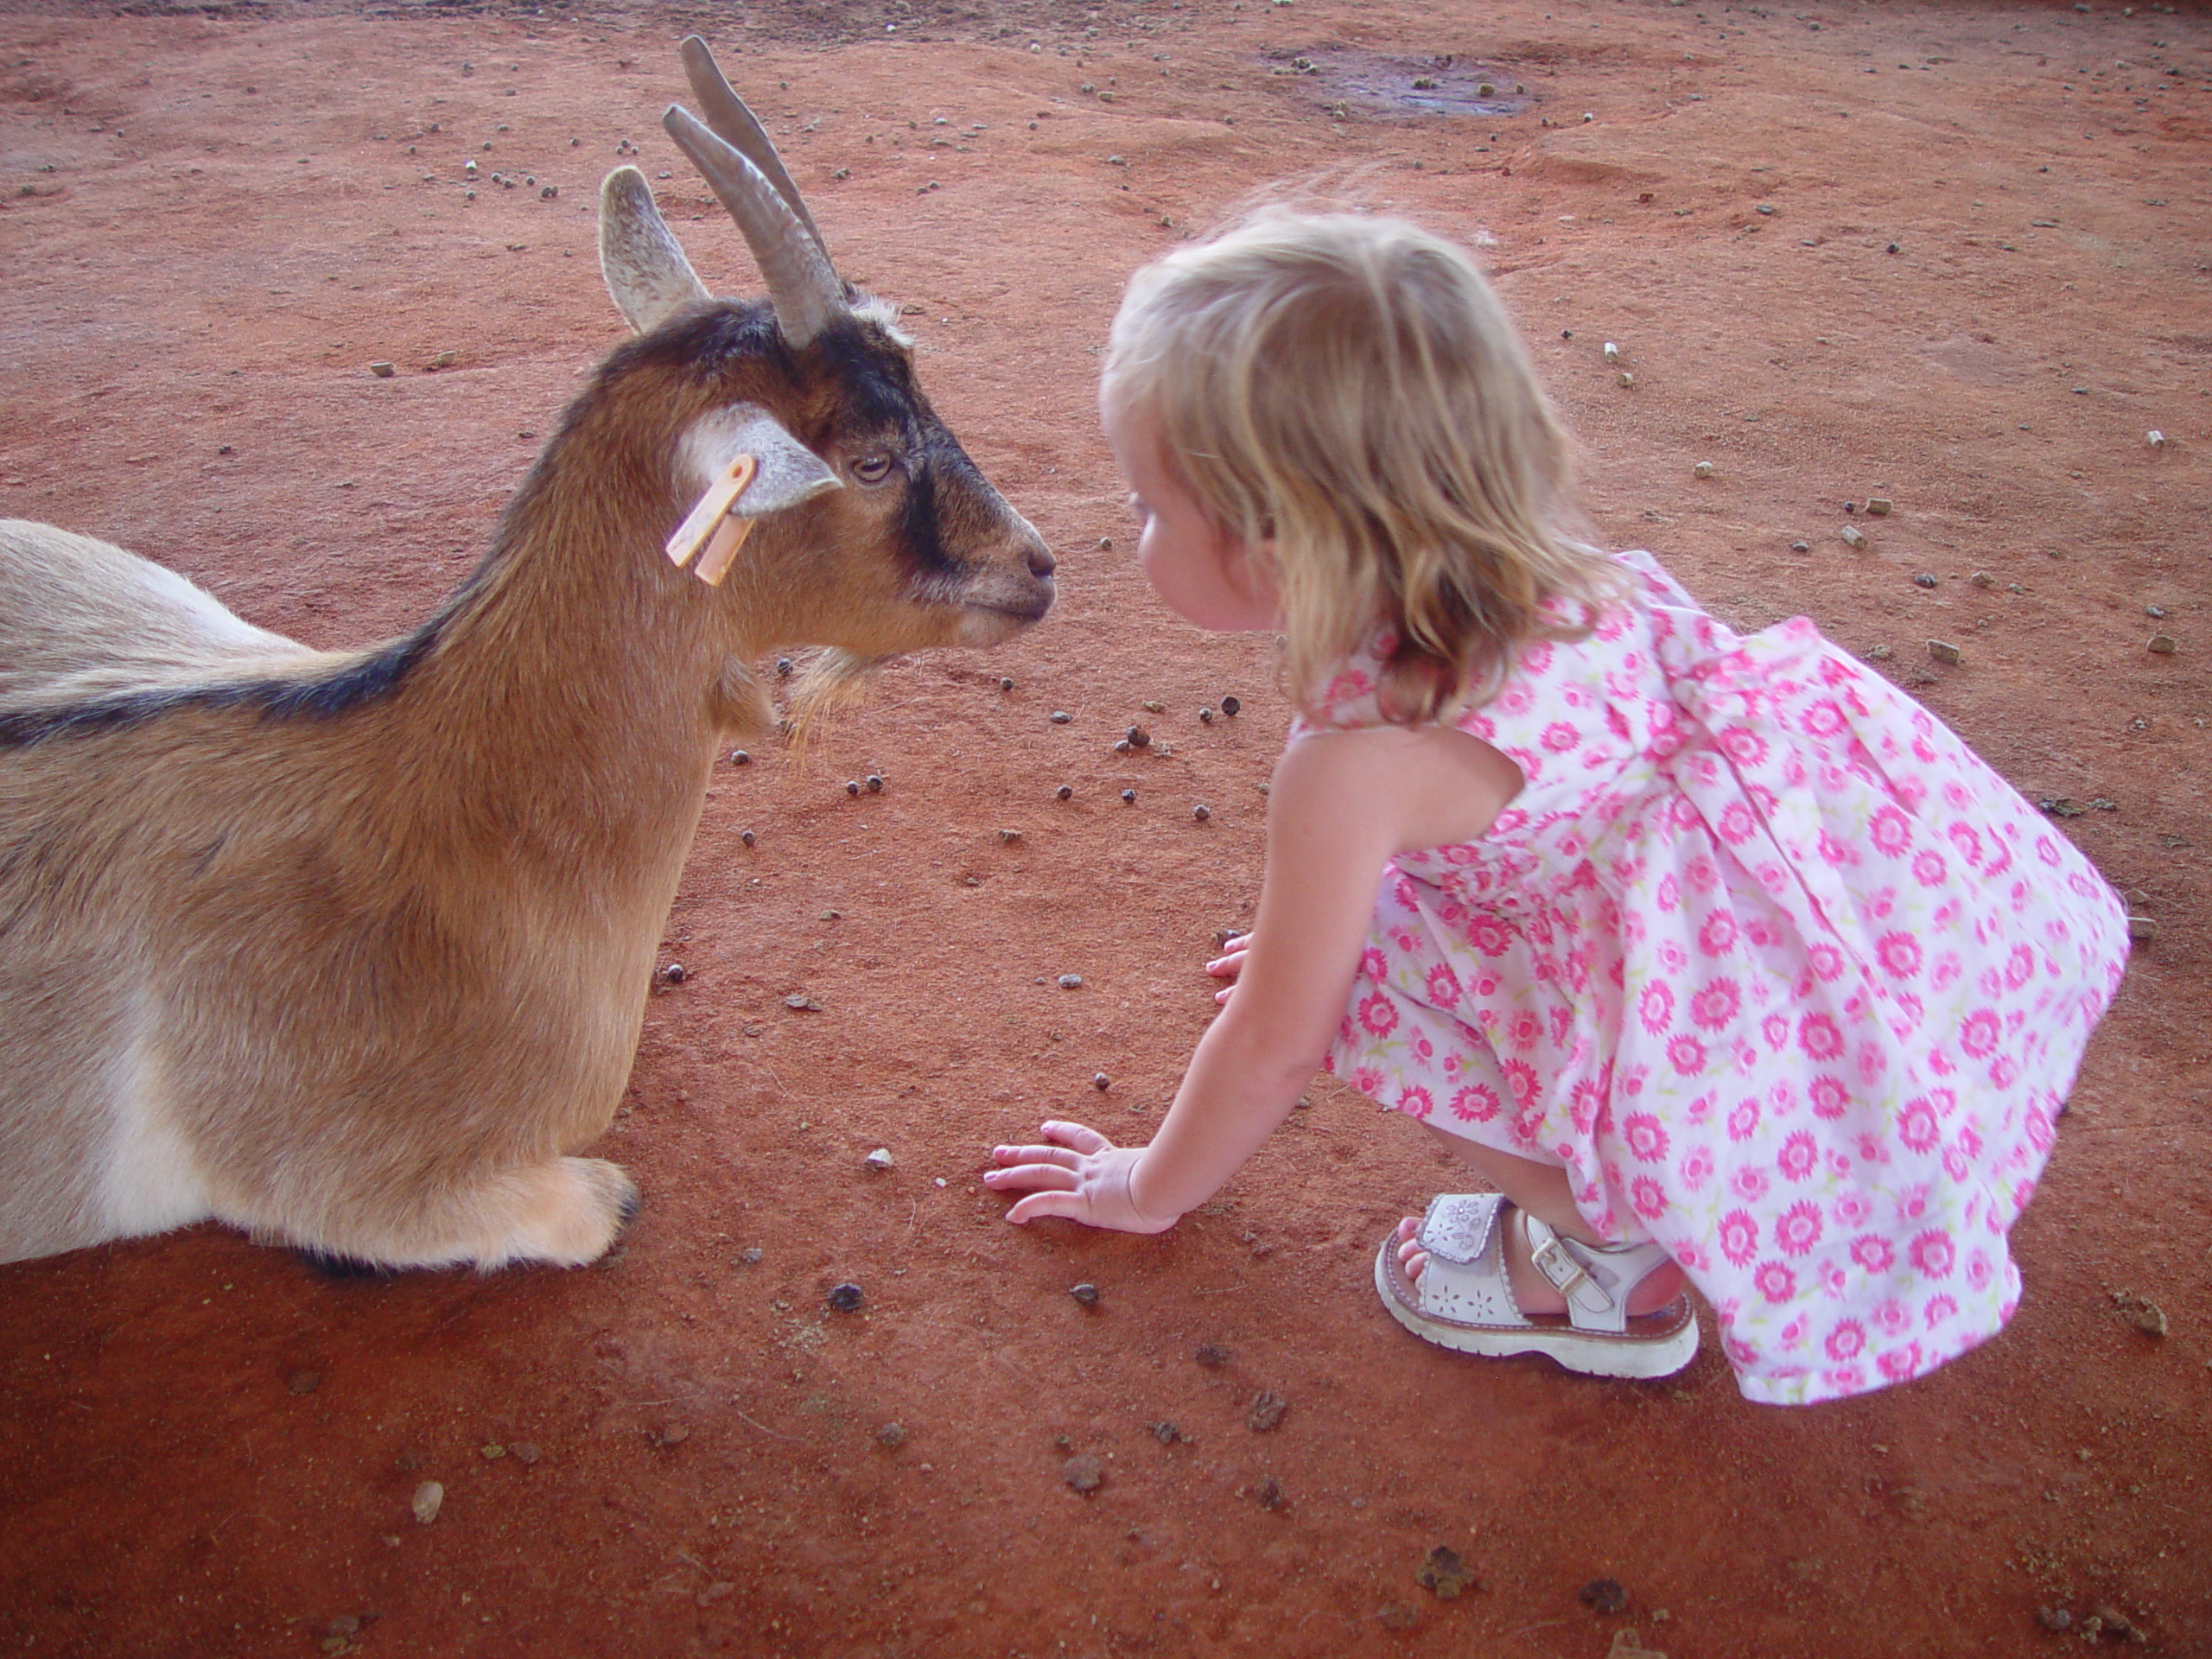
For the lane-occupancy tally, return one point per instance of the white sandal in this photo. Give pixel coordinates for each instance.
(1462, 1300)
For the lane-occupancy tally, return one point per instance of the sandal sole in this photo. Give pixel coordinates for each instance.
(1590, 1353)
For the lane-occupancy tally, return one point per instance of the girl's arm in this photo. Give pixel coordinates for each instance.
(1340, 806)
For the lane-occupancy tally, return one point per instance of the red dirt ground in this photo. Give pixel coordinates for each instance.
(215, 218)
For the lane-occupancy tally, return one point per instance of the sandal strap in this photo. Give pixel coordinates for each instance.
(1465, 1279)
(1596, 1280)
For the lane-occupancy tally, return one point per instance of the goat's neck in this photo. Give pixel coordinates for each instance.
(571, 703)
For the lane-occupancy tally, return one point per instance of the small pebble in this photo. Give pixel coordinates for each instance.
(1923, 580)
(1061, 717)
(1852, 536)
(845, 1298)
(1266, 1412)
(2162, 644)
(750, 1255)
(1231, 706)
(1065, 791)
(383, 371)
(747, 836)
(880, 1159)
(1083, 1472)
(874, 781)
(1943, 651)
(1446, 1574)
(1122, 746)
(668, 1436)
(1880, 506)
(524, 1451)
(1139, 738)
(1071, 982)
(1766, 207)
(1612, 351)
(1205, 716)
(1167, 1433)
(1800, 547)
(1087, 1294)
(1210, 1357)
(804, 1004)
(740, 758)
(1101, 1082)
(1879, 654)
(891, 1434)
(1705, 469)
(852, 786)
(491, 1451)
(1129, 797)
(784, 666)
(1202, 812)
(673, 973)
(430, 1498)
(442, 360)
(1154, 707)
(2156, 612)
(1604, 1596)
(2054, 1619)
(1009, 836)
(1894, 248)
(1270, 1493)
(1627, 379)
(2156, 439)
(303, 1382)
(2142, 929)
(1006, 682)
(1982, 579)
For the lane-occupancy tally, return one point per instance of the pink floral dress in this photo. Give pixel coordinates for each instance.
(1780, 973)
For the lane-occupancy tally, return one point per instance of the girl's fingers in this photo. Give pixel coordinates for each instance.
(1082, 1138)
(1060, 1155)
(1038, 1204)
(1036, 1177)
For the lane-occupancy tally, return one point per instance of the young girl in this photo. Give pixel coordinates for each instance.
(1714, 956)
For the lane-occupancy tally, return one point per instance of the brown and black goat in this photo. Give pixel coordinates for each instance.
(351, 949)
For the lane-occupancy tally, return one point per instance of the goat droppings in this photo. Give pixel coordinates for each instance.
(747, 836)
(1129, 797)
(1006, 682)
(874, 781)
(845, 1298)
(1101, 1082)
(852, 786)
(1230, 706)
(1202, 812)
(1064, 792)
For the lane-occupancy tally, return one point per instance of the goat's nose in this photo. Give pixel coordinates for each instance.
(1041, 561)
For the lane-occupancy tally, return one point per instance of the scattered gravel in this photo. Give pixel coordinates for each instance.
(1083, 1472)
(1266, 1412)
(1071, 982)
(1085, 1293)
(1604, 1595)
(1443, 1574)
(430, 1498)
(845, 1298)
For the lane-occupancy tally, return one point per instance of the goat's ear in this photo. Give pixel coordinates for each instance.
(787, 472)
(644, 267)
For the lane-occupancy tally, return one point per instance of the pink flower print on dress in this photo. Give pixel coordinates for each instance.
(1847, 1341)
(1514, 698)
(1873, 1252)
(1736, 825)
(1687, 1055)
(1776, 1282)
(1933, 1253)
(1939, 1309)
(1967, 842)
(1890, 830)
(1524, 1029)
(1477, 1102)
(1647, 1140)
(1899, 1363)
(1798, 1157)
(1978, 1034)
(1490, 935)
(2019, 966)
(1377, 1014)
(1714, 1006)
(1697, 1168)
(1916, 1124)
(1559, 737)
(1899, 954)
(1799, 1228)
(1444, 986)
(1748, 1183)
(1739, 1237)
(1368, 1081)
(1823, 719)
(1928, 868)
(1373, 965)
(1978, 1271)
(1851, 1209)
(1521, 1077)
(1828, 1095)
(1825, 960)
(1649, 1198)
(1744, 746)
(1818, 1036)
(1415, 1101)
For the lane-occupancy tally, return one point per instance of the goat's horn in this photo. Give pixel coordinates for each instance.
(729, 120)
(802, 286)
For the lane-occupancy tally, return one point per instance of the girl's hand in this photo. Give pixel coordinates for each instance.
(1080, 1174)
(1229, 963)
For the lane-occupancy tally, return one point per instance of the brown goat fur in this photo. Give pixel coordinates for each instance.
(351, 949)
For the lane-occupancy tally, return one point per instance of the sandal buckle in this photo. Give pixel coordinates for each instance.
(1566, 1274)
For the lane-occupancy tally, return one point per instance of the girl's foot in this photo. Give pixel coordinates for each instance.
(1532, 1292)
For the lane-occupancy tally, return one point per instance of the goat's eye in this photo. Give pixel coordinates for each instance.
(872, 469)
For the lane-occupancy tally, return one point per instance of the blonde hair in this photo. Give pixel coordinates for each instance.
(1346, 388)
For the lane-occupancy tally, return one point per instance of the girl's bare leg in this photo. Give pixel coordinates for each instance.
(1542, 1190)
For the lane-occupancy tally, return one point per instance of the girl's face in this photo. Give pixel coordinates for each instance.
(1204, 575)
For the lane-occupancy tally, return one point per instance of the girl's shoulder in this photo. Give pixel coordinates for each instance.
(1651, 603)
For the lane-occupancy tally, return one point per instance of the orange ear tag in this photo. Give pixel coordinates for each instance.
(710, 525)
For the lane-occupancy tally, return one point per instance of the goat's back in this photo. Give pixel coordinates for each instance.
(79, 618)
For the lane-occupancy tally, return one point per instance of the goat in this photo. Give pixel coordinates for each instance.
(351, 949)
